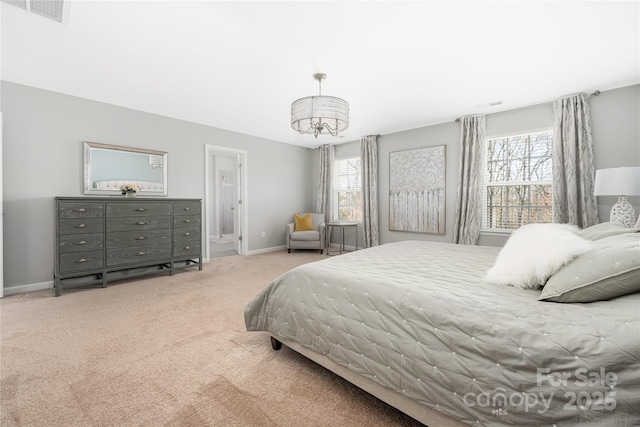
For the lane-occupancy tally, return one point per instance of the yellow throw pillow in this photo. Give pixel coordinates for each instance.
(303, 222)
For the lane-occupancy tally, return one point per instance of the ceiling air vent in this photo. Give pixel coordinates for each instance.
(22, 4)
(52, 9)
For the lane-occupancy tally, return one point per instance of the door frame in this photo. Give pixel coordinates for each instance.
(1, 213)
(241, 208)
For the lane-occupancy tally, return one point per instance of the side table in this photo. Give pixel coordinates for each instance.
(341, 225)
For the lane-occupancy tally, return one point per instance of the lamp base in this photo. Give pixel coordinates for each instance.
(623, 212)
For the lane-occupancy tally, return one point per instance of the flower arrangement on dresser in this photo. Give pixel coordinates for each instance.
(129, 190)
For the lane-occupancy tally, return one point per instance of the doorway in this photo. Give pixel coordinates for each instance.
(2, 214)
(225, 199)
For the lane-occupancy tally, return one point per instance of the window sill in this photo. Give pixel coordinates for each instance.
(501, 232)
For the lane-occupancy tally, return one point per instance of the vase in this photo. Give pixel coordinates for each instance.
(130, 195)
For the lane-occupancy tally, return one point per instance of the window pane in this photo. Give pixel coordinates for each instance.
(511, 206)
(348, 194)
(349, 203)
(348, 174)
(514, 166)
(520, 158)
(541, 203)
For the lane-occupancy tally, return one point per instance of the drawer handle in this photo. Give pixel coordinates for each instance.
(187, 220)
(141, 253)
(187, 209)
(82, 210)
(187, 234)
(81, 260)
(141, 210)
(141, 238)
(81, 242)
(186, 248)
(141, 223)
(81, 226)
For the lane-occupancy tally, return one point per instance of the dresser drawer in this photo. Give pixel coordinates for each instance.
(186, 234)
(186, 221)
(137, 255)
(124, 239)
(81, 225)
(80, 242)
(138, 208)
(137, 224)
(81, 261)
(186, 208)
(186, 249)
(80, 210)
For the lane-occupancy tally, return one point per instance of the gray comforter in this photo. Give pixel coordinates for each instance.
(417, 318)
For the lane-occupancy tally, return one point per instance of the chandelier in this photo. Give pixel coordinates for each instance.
(315, 114)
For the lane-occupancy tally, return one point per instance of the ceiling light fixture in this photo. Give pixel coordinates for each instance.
(314, 114)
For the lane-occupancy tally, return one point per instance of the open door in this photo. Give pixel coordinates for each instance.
(1, 215)
(237, 220)
(225, 201)
(227, 205)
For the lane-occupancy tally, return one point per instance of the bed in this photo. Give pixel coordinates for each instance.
(418, 325)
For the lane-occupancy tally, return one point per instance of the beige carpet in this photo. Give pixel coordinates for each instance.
(168, 351)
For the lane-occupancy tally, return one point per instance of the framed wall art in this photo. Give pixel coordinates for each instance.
(417, 190)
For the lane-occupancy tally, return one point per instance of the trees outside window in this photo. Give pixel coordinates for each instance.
(518, 182)
(348, 193)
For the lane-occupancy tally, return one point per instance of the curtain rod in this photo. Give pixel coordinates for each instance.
(596, 93)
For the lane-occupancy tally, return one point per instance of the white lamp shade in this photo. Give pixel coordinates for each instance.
(308, 112)
(623, 181)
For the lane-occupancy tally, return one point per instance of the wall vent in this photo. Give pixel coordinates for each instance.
(22, 4)
(57, 10)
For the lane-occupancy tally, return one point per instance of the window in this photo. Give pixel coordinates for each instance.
(348, 194)
(518, 181)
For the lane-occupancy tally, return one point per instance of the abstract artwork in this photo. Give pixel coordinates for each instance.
(417, 190)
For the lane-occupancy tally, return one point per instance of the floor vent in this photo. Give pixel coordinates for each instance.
(52, 9)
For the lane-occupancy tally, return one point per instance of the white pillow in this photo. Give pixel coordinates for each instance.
(534, 252)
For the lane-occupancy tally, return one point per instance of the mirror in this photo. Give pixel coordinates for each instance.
(107, 167)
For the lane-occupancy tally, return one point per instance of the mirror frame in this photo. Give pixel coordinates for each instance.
(87, 169)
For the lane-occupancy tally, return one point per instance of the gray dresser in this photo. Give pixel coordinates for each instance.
(100, 239)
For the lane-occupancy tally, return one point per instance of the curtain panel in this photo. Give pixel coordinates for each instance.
(324, 194)
(468, 217)
(369, 160)
(573, 169)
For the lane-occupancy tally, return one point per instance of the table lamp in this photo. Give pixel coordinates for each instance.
(622, 182)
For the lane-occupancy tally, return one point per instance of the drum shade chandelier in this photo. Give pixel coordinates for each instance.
(315, 114)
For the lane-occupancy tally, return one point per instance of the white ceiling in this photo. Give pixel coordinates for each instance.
(401, 65)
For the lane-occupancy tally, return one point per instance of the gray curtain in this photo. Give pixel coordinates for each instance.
(573, 170)
(324, 195)
(468, 218)
(369, 160)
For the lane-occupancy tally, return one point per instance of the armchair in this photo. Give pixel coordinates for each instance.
(307, 239)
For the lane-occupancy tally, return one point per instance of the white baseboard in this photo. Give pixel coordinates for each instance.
(347, 248)
(12, 290)
(264, 251)
(49, 285)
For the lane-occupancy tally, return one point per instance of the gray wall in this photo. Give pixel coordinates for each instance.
(615, 121)
(43, 158)
(615, 125)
